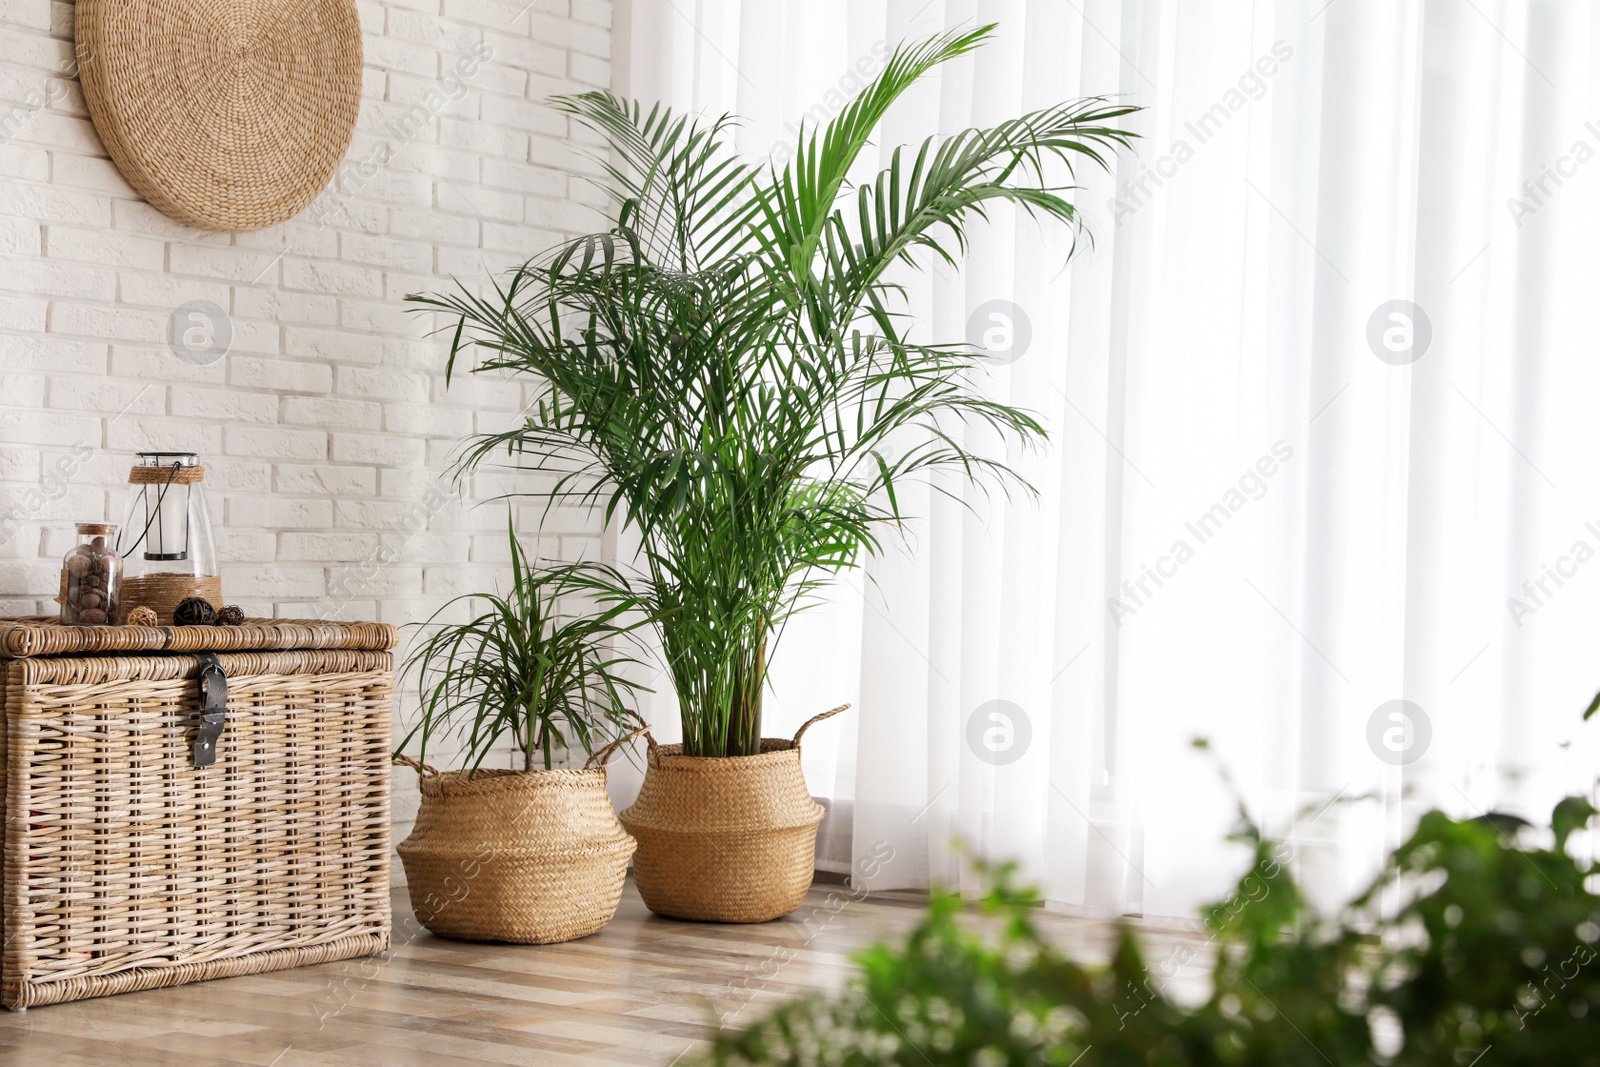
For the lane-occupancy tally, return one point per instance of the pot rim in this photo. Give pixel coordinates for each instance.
(596, 847)
(782, 748)
(461, 781)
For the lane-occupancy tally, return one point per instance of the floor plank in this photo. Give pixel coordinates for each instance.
(641, 992)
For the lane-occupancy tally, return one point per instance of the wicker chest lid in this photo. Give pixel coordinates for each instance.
(41, 635)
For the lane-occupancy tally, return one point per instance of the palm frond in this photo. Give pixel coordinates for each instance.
(725, 369)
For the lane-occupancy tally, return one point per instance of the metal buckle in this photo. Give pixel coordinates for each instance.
(213, 709)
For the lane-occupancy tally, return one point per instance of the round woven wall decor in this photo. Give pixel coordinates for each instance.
(226, 114)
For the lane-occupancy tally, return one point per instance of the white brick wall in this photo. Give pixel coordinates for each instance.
(326, 426)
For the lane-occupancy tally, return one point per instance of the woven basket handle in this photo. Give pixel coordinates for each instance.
(644, 728)
(605, 754)
(809, 723)
(421, 768)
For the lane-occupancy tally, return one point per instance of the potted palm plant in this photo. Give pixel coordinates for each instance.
(535, 854)
(724, 368)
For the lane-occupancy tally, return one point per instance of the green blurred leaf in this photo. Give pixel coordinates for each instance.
(1469, 948)
(1570, 816)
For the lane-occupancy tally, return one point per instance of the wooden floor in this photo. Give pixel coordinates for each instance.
(642, 992)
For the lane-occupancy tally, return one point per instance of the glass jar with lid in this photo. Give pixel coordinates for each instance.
(91, 578)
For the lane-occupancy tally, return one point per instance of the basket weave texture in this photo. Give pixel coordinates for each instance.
(533, 857)
(127, 869)
(228, 115)
(44, 635)
(728, 839)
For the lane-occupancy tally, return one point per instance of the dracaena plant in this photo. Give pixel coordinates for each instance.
(523, 669)
(725, 363)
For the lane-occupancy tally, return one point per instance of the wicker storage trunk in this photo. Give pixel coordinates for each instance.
(127, 868)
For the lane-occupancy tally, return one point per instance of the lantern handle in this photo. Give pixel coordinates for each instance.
(161, 498)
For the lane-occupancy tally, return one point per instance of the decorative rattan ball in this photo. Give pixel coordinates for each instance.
(194, 611)
(142, 616)
(226, 114)
(232, 615)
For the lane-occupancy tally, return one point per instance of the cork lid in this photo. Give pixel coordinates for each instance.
(101, 528)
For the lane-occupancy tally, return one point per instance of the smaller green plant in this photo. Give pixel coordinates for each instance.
(523, 668)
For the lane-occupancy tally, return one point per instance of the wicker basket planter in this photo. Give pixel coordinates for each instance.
(532, 857)
(126, 868)
(730, 839)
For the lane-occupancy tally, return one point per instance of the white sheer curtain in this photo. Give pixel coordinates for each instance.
(1273, 502)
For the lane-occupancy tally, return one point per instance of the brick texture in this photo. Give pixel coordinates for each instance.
(326, 425)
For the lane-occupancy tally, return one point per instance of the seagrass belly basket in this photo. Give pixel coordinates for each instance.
(533, 857)
(728, 839)
(190, 802)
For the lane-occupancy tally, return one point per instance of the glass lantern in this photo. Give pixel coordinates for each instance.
(166, 542)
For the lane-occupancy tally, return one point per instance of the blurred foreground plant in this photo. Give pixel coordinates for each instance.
(1486, 953)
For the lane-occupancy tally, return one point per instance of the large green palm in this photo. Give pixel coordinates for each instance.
(725, 363)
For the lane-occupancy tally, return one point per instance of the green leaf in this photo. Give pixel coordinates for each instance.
(720, 370)
(523, 669)
(1571, 815)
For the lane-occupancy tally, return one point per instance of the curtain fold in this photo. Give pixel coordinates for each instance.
(1321, 486)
